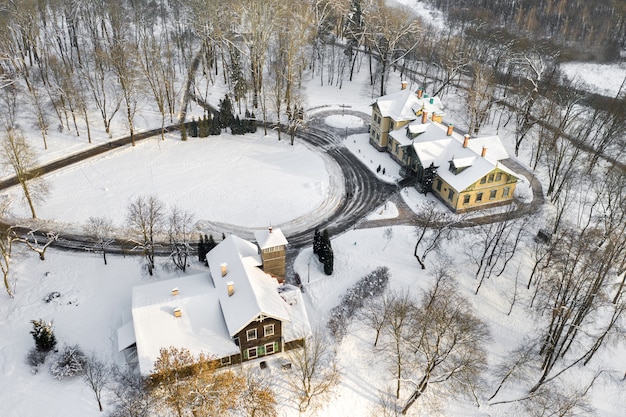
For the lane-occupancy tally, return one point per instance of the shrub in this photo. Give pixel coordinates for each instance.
(35, 357)
(71, 362)
(371, 285)
(42, 332)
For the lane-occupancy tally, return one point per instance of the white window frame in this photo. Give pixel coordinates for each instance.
(248, 332)
(493, 194)
(265, 330)
(506, 191)
(225, 361)
(272, 347)
(256, 352)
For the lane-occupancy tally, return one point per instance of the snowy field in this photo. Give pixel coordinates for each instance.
(225, 179)
(234, 179)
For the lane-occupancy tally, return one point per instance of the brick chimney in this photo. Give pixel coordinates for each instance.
(420, 92)
(450, 130)
(424, 116)
(230, 287)
(484, 152)
(466, 139)
(404, 84)
(178, 312)
(224, 268)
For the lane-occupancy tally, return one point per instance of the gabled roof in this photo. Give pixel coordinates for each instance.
(435, 146)
(209, 316)
(255, 292)
(201, 328)
(269, 238)
(402, 105)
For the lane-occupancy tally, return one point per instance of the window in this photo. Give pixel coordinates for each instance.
(483, 180)
(492, 194)
(237, 340)
(498, 176)
(490, 178)
(506, 191)
(251, 334)
(252, 353)
(269, 348)
(466, 199)
(225, 361)
(268, 330)
(450, 195)
(438, 185)
(479, 197)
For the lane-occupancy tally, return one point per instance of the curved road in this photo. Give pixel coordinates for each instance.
(354, 191)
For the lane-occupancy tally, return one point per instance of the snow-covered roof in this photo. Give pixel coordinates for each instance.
(269, 238)
(254, 292)
(435, 146)
(209, 316)
(200, 328)
(403, 104)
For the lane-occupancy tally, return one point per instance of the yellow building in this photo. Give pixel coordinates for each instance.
(465, 173)
(396, 110)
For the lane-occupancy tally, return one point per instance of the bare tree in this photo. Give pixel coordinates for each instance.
(34, 242)
(99, 230)
(314, 373)
(433, 226)
(399, 308)
(131, 395)
(8, 236)
(20, 158)
(392, 34)
(179, 233)
(145, 219)
(97, 375)
(448, 343)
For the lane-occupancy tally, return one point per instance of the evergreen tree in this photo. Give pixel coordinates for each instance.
(226, 112)
(42, 332)
(201, 250)
(428, 178)
(327, 257)
(194, 127)
(317, 242)
(210, 243)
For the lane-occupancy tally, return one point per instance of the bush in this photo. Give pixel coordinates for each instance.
(371, 285)
(71, 362)
(35, 357)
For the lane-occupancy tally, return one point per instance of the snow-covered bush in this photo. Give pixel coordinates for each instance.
(371, 285)
(69, 363)
(35, 357)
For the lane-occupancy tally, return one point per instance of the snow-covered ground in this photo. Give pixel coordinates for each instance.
(604, 79)
(224, 179)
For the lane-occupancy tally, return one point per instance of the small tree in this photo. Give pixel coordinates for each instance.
(99, 230)
(315, 373)
(325, 254)
(70, 363)
(145, 220)
(97, 375)
(43, 333)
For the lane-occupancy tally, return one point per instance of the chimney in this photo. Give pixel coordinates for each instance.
(419, 93)
(270, 229)
(424, 116)
(450, 130)
(174, 291)
(432, 100)
(177, 312)
(466, 139)
(404, 84)
(484, 152)
(224, 268)
(230, 286)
